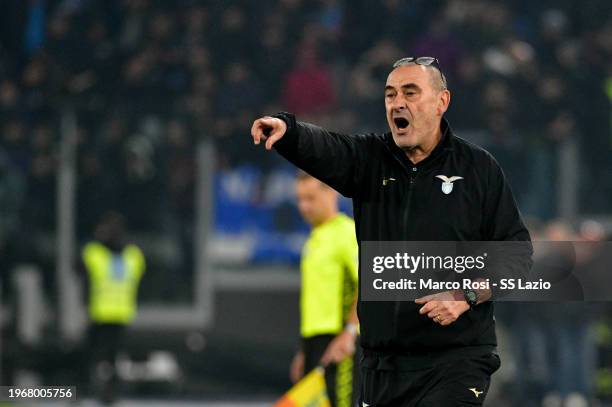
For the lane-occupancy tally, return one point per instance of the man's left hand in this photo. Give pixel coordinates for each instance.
(443, 308)
(341, 347)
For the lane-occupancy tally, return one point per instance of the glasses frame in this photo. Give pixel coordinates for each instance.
(424, 61)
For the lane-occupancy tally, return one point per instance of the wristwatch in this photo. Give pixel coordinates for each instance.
(352, 328)
(471, 297)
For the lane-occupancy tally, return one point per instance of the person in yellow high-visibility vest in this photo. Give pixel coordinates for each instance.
(114, 269)
(328, 315)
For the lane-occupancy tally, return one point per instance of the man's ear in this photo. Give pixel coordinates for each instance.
(444, 101)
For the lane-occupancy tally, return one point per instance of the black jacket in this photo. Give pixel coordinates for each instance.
(413, 207)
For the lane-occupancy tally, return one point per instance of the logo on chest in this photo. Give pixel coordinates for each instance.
(447, 182)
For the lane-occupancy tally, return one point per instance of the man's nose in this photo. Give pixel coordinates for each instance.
(398, 104)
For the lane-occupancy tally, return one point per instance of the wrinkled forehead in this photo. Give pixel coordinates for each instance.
(402, 75)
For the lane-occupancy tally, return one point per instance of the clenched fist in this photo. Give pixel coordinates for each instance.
(269, 129)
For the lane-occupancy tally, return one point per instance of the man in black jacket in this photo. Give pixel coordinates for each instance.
(417, 183)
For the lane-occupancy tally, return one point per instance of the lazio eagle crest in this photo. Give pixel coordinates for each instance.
(447, 182)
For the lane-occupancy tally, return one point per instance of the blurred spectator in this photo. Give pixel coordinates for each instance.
(141, 182)
(554, 27)
(181, 171)
(367, 23)
(557, 126)
(331, 18)
(197, 20)
(240, 91)
(15, 144)
(308, 87)
(233, 37)
(9, 98)
(92, 192)
(536, 326)
(438, 40)
(114, 269)
(36, 85)
(369, 71)
(275, 55)
(180, 182)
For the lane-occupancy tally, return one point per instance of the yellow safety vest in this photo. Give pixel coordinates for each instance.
(113, 282)
(329, 277)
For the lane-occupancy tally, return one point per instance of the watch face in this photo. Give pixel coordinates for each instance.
(471, 296)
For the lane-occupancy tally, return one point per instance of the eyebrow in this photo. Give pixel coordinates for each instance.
(405, 86)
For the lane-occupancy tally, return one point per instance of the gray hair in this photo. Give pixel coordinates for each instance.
(431, 63)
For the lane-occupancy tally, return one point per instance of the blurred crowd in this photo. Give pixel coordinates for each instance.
(560, 350)
(148, 80)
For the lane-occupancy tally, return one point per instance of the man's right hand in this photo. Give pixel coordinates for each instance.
(296, 371)
(269, 129)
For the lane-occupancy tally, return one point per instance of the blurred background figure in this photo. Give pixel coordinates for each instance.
(554, 346)
(114, 269)
(328, 297)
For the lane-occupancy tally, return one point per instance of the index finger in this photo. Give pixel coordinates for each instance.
(326, 358)
(257, 131)
(261, 125)
(272, 138)
(424, 299)
(427, 307)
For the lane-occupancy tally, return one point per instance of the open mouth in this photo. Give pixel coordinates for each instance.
(401, 122)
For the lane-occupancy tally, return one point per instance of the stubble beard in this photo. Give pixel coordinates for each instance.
(409, 149)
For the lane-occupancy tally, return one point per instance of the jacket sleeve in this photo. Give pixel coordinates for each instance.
(504, 230)
(333, 158)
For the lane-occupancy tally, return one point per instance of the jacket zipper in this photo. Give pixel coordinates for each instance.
(412, 174)
(412, 177)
